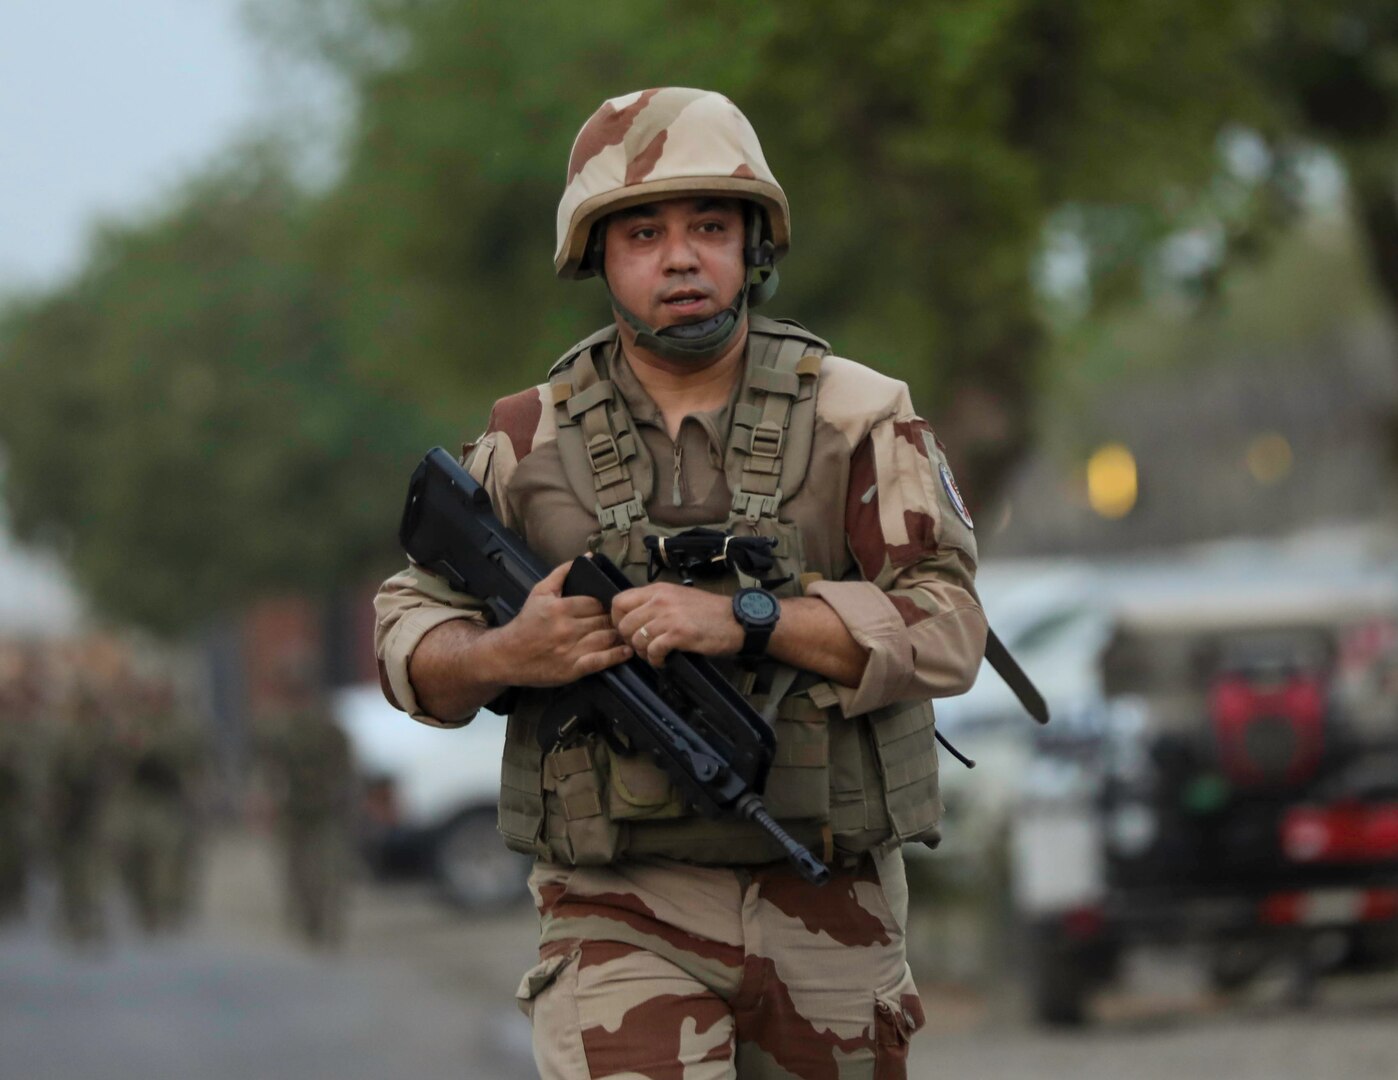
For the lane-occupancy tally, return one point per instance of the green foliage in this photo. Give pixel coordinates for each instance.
(443, 222)
(181, 416)
(924, 148)
(228, 397)
(1272, 312)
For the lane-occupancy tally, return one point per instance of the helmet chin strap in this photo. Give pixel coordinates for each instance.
(707, 339)
(690, 341)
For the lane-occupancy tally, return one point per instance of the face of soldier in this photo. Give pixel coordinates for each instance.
(676, 261)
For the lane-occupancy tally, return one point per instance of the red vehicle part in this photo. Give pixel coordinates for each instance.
(1341, 833)
(1268, 734)
(1329, 907)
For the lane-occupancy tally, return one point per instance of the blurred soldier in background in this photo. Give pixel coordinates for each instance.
(79, 772)
(311, 775)
(18, 704)
(157, 818)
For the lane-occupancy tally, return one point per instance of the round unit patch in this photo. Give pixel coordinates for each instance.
(954, 494)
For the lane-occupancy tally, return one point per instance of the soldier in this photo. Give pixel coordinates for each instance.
(79, 775)
(312, 776)
(17, 746)
(670, 942)
(158, 807)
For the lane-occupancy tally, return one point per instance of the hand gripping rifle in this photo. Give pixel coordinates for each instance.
(712, 744)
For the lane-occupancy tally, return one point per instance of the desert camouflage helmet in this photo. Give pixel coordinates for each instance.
(662, 144)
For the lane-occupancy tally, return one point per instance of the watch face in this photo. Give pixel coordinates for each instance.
(757, 605)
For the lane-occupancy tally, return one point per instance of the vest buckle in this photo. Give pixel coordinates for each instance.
(754, 506)
(620, 516)
(602, 452)
(767, 440)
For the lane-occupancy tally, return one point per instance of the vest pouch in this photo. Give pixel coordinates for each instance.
(851, 762)
(905, 744)
(579, 832)
(798, 784)
(638, 788)
(521, 798)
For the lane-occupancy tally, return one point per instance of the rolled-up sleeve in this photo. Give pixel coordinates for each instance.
(408, 606)
(414, 602)
(915, 607)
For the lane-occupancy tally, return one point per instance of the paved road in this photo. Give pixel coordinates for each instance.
(416, 993)
(420, 992)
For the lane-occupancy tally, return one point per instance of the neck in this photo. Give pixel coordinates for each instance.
(680, 387)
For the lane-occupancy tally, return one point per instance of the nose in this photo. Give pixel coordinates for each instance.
(681, 256)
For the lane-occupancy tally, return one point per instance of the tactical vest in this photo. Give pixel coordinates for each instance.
(840, 785)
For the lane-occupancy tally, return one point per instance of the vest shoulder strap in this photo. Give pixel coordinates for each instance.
(606, 334)
(598, 444)
(761, 324)
(769, 448)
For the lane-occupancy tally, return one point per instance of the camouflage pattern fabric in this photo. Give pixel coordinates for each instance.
(662, 144)
(669, 971)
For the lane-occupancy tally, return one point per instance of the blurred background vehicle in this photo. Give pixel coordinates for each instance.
(428, 800)
(1236, 784)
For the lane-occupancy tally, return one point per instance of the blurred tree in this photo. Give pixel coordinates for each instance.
(180, 416)
(253, 370)
(926, 148)
(1333, 67)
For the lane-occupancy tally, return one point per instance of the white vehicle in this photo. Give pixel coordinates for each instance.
(430, 798)
(1048, 613)
(1236, 793)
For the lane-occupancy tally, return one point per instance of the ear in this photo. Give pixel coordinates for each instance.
(594, 254)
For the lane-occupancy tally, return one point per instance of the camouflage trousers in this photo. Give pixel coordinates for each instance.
(663, 970)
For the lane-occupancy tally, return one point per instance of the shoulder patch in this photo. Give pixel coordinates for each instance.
(518, 418)
(954, 494)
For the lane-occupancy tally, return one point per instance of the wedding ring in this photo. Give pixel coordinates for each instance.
(645, 633)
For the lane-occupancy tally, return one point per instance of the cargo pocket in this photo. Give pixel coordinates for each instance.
(905, 742)
(579, 831)
(538, 979)
(898, 1016)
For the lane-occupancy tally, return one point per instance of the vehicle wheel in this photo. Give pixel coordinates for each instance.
(1232, 965)
(1060, 992)
(473, 866)
(1063, 977)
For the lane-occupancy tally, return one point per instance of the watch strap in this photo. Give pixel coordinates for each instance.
(755, 642)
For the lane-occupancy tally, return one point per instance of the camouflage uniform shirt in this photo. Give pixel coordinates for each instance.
(877, 519)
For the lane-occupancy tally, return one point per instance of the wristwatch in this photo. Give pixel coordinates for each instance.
(757, 612)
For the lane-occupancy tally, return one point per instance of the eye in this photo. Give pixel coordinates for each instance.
(644, 232)
(712, 227)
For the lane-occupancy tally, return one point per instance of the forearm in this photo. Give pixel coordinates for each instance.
(554, 640)
(810, 636)
(455, 669)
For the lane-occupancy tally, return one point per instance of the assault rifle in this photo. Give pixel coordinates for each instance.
(713, 745)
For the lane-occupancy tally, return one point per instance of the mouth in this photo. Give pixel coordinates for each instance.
(685, 301)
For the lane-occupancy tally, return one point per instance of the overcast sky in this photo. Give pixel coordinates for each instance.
(104, 104)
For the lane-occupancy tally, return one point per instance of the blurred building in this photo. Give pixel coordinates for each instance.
(1261, 446)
